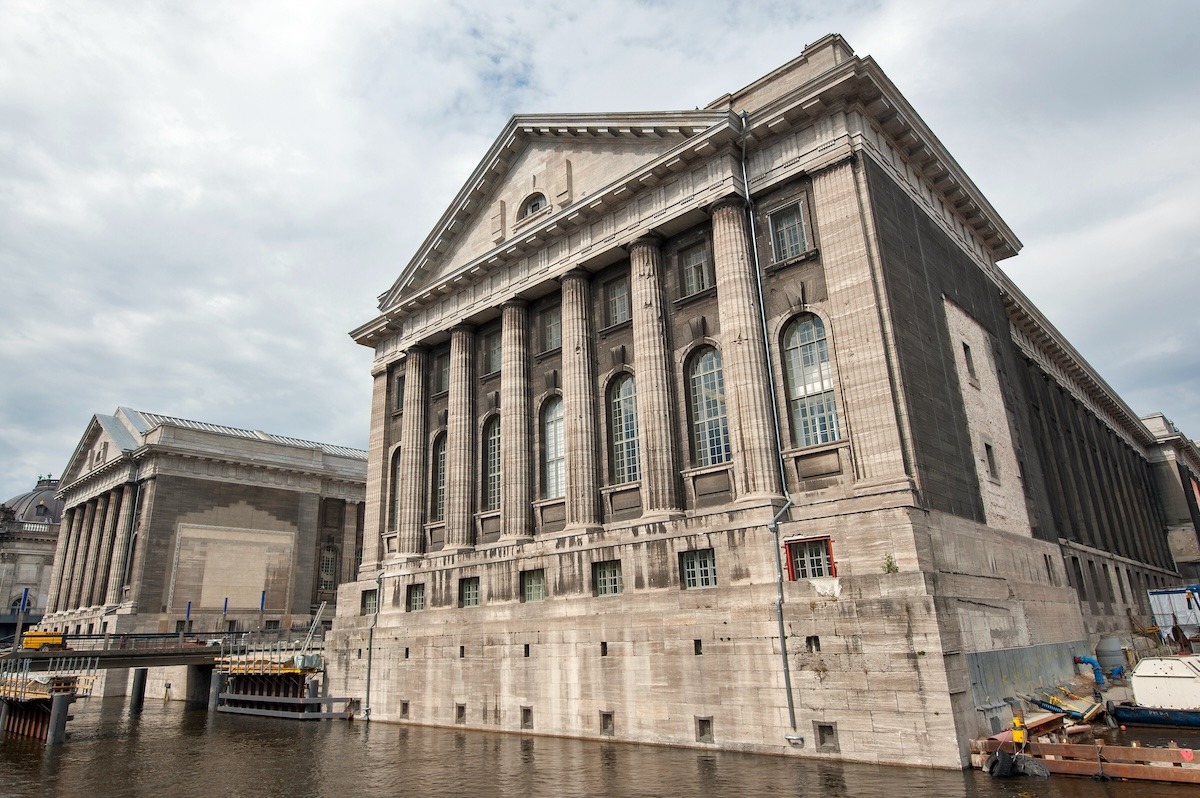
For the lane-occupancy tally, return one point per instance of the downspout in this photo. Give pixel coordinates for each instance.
(371, 643)
(794, 738)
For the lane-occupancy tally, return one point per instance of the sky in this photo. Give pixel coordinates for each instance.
(198, 201)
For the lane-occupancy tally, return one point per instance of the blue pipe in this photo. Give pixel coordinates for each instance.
(1096, 672)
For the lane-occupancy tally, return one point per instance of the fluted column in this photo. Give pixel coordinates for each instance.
(655, 397)
(460, 440)
(410, 493)
(80, 558)
(91, 569)
(74, 535)
(60, 557)
(99, 588)
(756, 470)
(515, 441)
(579, 402)
(349, 564)
(116, 570)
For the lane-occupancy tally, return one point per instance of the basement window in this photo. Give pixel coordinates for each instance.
(526, 717)
(811, 559)
(608, 726)
(460, 713)
(827, 737)
(704, 730)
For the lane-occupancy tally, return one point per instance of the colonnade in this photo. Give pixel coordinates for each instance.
(748, 402)
(91, 556)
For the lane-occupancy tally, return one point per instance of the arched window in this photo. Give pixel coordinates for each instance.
(553, 459)
(809, 382)
(623, 430)
(532, 205)
(327, 576)
(710, 429)
(437, 493)
(491, 464)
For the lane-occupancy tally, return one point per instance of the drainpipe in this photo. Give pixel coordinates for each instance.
(794, 738)
(371, 643)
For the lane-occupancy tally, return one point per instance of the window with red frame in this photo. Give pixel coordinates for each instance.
(811, 559)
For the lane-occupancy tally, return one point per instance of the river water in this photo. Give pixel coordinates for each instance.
(172, 750)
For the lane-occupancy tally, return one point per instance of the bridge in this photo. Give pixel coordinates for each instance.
(153, 650)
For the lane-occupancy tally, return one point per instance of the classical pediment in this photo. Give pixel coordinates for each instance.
(541, 168)
(105, 438)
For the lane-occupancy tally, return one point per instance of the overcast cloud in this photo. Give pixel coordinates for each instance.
(199, 200)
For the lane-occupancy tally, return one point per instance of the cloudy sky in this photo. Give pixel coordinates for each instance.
(199, 200)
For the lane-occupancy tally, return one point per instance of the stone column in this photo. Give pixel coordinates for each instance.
(136, 550)
(378, 468)
(349, 565)
(461, 465)
(579, 402)
(60, 558)
(751, 433)
(73, 536)
(515, 440)
(409, 494)
(116, 570)
(104, 561)
(105, 512)
(655, 397)
(80, 556)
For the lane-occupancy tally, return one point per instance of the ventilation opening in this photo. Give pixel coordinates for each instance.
(827, 737)
(404, 710)
(460, 713)
(527, 649)
(462, 651)
(406, 652)
(698, 647)
(812, 643)
(608, 726)
(604, 649)
(526, 717)
(704, 730)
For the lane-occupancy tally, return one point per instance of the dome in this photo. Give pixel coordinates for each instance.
(39, 505)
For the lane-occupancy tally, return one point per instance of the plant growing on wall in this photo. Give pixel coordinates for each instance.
(889, 564)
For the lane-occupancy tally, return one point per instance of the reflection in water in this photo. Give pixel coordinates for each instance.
(172, 751)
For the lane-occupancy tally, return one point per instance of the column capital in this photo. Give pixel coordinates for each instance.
(463, 327)
(650, 239)
(728, 201)
(515, 302)
(576, 274)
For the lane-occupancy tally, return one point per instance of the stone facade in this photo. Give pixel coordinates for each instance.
(28, 532)
(714, 428)
(176, 525)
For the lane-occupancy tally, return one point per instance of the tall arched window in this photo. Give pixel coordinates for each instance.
(809, 382)
(491, 464)
(553, 458)
(327, 577)
(437, 492)
(623, 430)
(710, 429)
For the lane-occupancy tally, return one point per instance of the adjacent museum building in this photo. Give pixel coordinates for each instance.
(723, 427)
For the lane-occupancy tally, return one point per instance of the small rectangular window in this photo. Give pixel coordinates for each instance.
(811, 559)
(989, 455)
(550, 329)
(415, 599)
(698, 647)
(813, 644)
(695, 270)
(615, 294)
(404, 710)
(608, 726)
(606, 578)
(270, 626)
(460, 713)
(970, 360)
(526, 717)
(788, 236)
(526, 649)
(603, 648)
(440, 377)
(468, 592)
(369, 604)
(491, 354)
(827, 737)
(704, 730)
(533, 585)
(698, 568)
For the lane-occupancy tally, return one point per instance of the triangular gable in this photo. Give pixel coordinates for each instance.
(565, 158)
(103, 441)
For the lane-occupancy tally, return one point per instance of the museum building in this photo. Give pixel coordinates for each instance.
(173, 525)
(724, 428)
